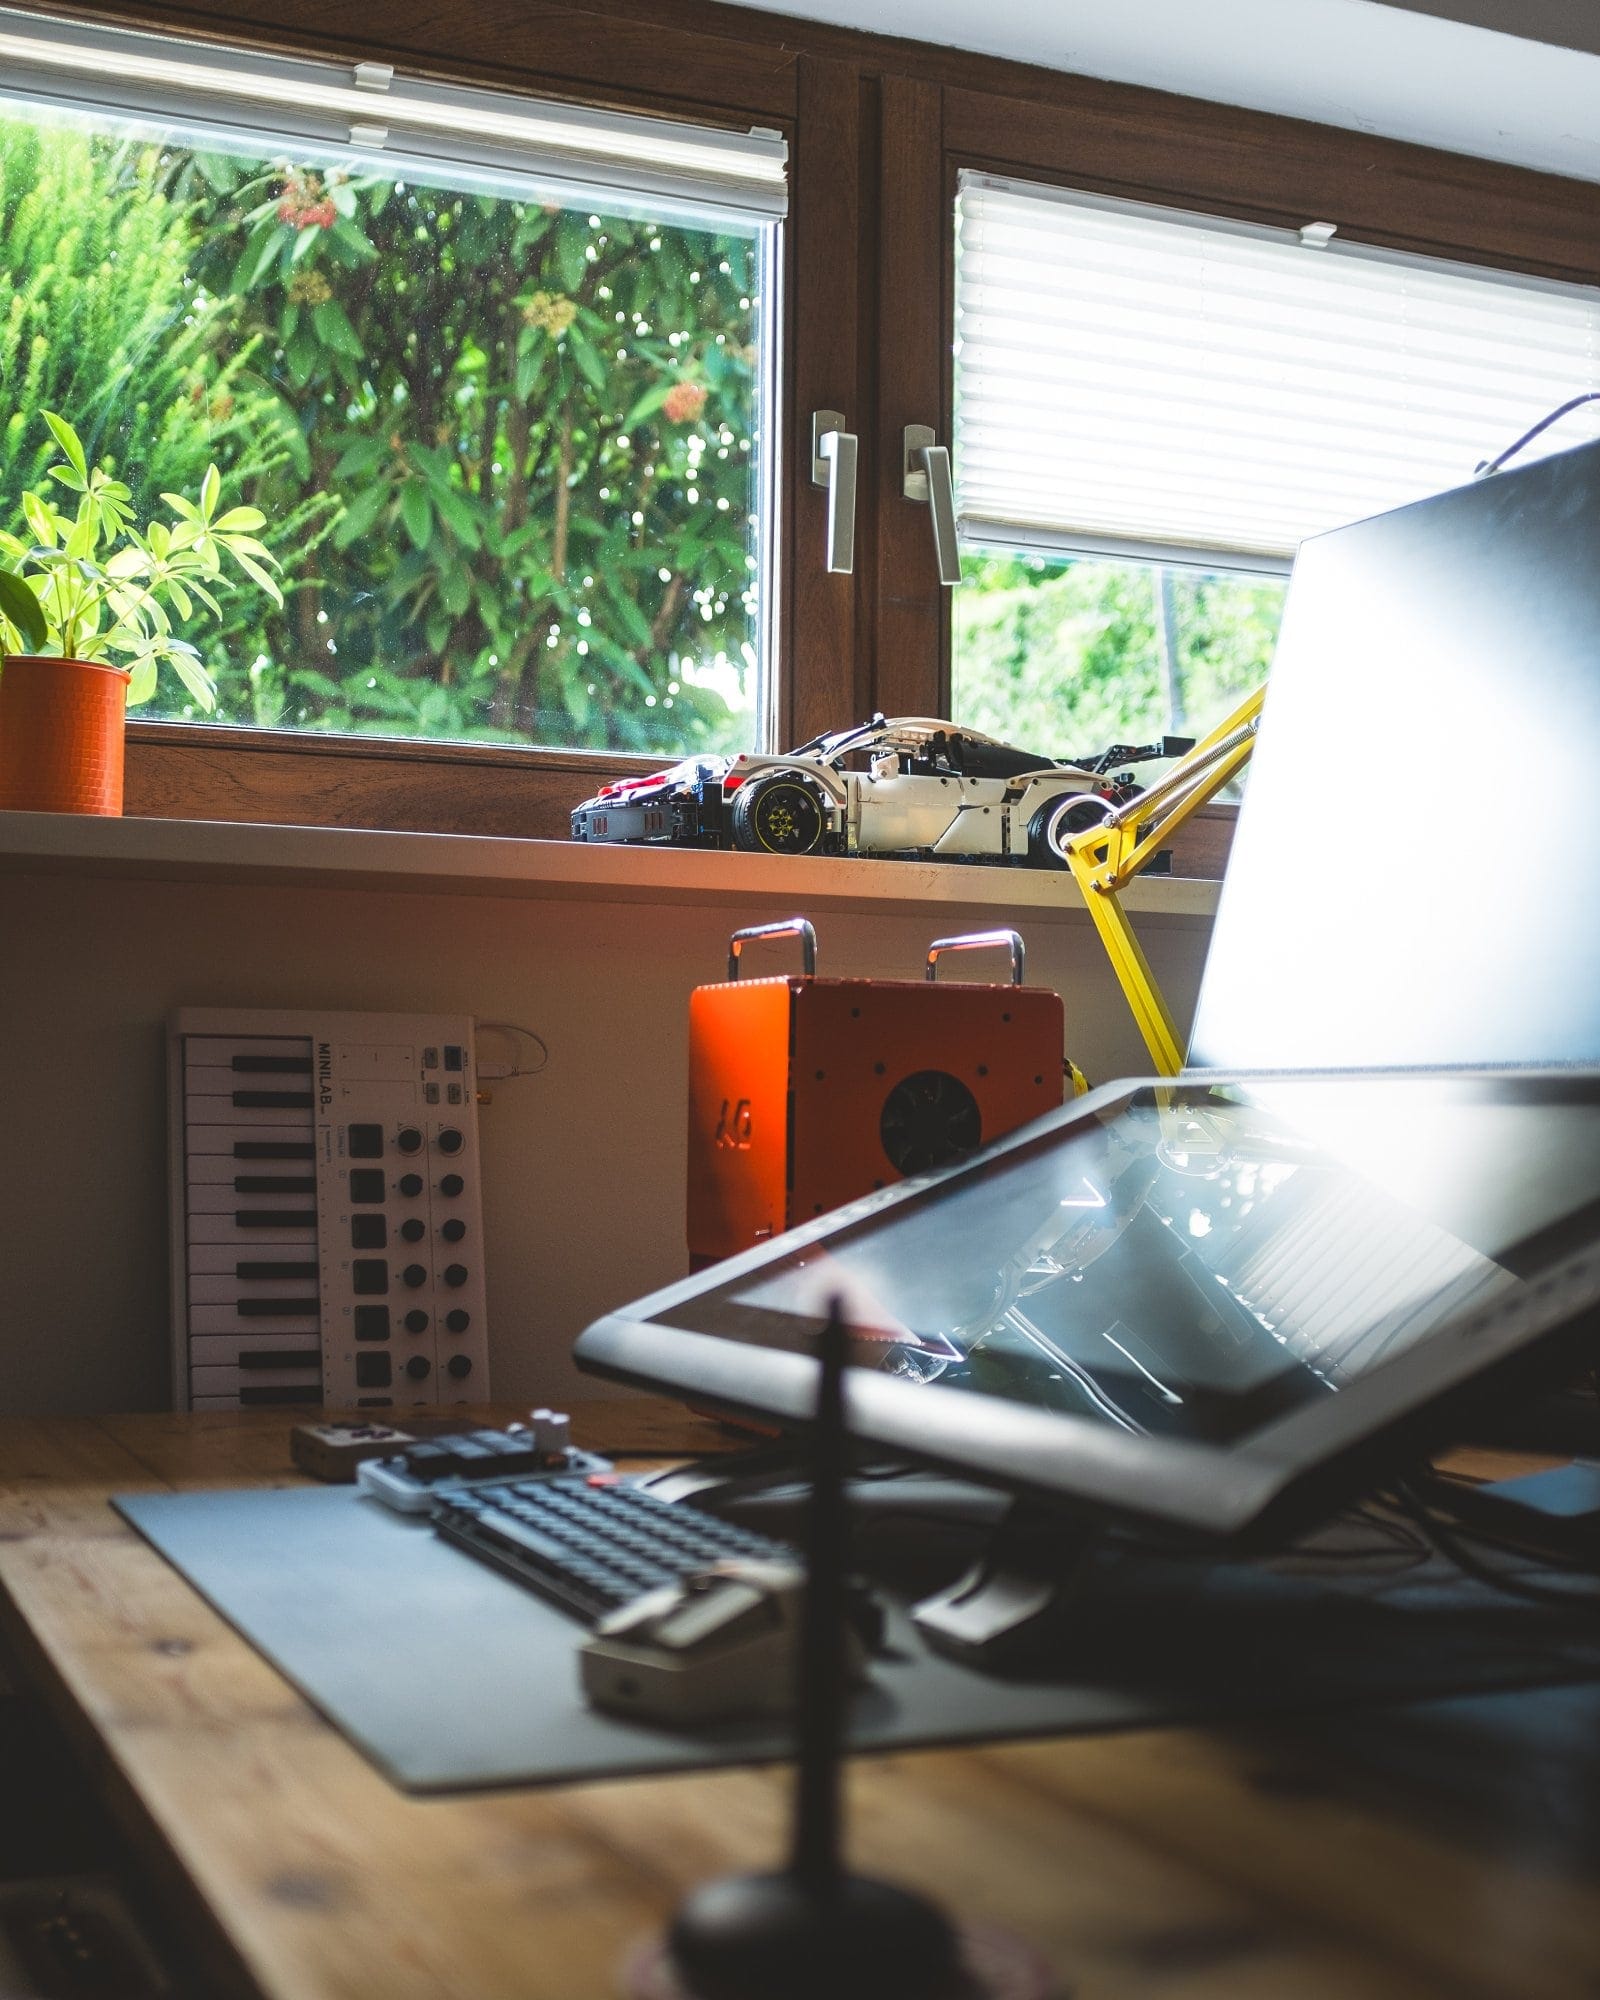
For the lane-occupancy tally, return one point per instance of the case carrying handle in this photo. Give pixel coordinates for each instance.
(789, 927)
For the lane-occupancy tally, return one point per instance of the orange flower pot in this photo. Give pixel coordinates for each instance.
(61, 735)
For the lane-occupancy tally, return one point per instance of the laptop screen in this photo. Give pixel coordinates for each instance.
(1412, 880)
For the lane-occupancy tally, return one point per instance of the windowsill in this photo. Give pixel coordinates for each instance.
(462, 864)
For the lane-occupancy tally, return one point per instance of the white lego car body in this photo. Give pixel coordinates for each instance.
(922, 787)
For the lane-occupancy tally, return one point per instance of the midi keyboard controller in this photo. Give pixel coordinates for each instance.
(327, 1218)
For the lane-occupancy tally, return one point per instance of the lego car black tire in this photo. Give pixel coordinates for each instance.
(764, 808)
(1080, 809)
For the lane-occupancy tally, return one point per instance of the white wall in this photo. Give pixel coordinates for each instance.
(583, 1166)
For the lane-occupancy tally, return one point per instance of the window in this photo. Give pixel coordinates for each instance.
(1153, 408)
(497, 372)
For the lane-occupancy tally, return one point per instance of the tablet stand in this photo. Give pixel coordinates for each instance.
(1013, 1605)
(811, 1928)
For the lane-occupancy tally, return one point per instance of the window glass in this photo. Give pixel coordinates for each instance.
(1070, 655)
(508, 447)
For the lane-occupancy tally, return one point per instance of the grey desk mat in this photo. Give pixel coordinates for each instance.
(451, 1677)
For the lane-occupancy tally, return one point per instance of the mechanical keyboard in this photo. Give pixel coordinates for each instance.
(590, 1544)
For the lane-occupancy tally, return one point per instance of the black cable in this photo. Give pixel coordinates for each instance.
(1488, 465)
(1453, 1547)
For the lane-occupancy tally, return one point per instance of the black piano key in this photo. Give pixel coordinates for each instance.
(274, 1065)
(249, 1271)
(275, 1218)
(280, 1392)
(288, 1357)
(273, 1100)
(274, 1149)
(278, 1308)
(274, 1183)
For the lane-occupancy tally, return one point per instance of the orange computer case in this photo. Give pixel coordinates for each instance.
(807, 1092)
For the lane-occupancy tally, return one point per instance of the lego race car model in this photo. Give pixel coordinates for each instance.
(911, 786)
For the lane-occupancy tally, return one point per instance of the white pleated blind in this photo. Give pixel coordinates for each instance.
(407, 123)
(1136, 380)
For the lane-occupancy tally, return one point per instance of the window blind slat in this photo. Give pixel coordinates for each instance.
(1140, 376)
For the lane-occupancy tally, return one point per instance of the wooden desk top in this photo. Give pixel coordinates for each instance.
(1445, 1848)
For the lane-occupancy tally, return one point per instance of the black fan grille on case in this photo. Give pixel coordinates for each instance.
(929, 1119)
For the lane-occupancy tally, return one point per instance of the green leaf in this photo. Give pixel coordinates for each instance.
(571, 262)
(589, 362)
(240, 519)
(253, 570)
(457, 513)
(361, 458)
(359, 516)
(21, 608)
(193, 675)
(210, 492)
(349, 245)
(416, 510)
(40, 519)
(334, 329)
(143, 684)
(301, 355)
(67, 438)
(455, 590)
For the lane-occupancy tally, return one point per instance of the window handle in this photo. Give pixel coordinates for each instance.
(927, 481)
(833, 465)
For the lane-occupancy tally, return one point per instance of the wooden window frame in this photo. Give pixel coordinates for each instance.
(878, 132)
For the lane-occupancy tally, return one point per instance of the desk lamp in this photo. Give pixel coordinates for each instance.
(811, 1928)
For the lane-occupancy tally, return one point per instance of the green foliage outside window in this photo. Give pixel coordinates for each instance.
(505, 449)
(1071, 655)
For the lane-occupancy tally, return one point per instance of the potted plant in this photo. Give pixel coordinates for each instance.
(86, 610)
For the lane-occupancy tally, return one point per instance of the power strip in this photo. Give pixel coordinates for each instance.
(326, 1210)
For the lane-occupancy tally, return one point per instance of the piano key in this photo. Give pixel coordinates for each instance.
(222, 1198)
(218, 1051)
(271, 1065)
(233, 1143)
(274, 1183)
(225, 1319)
(222, 1350)
(222, 1288)
(249, 1391)
(225, 1380)
(273, 1100)
(251, 1261)
(225, 1229)
(211, 1109)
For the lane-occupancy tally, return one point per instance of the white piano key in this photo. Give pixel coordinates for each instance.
(204, 1140)
(223, 1229)
(218, 1051)
(223, 1288)
(223, 1167)
(209, 1109)
(220, 1199)
(218, 1260)
(247, 1387)
(222, 1350)
(226, 1319)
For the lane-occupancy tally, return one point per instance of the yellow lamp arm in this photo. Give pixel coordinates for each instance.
(1106, 857)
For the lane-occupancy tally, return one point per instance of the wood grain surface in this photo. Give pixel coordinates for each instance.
(1437, 1849)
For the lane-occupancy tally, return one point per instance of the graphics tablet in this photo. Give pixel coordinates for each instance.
(1221, 1306)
